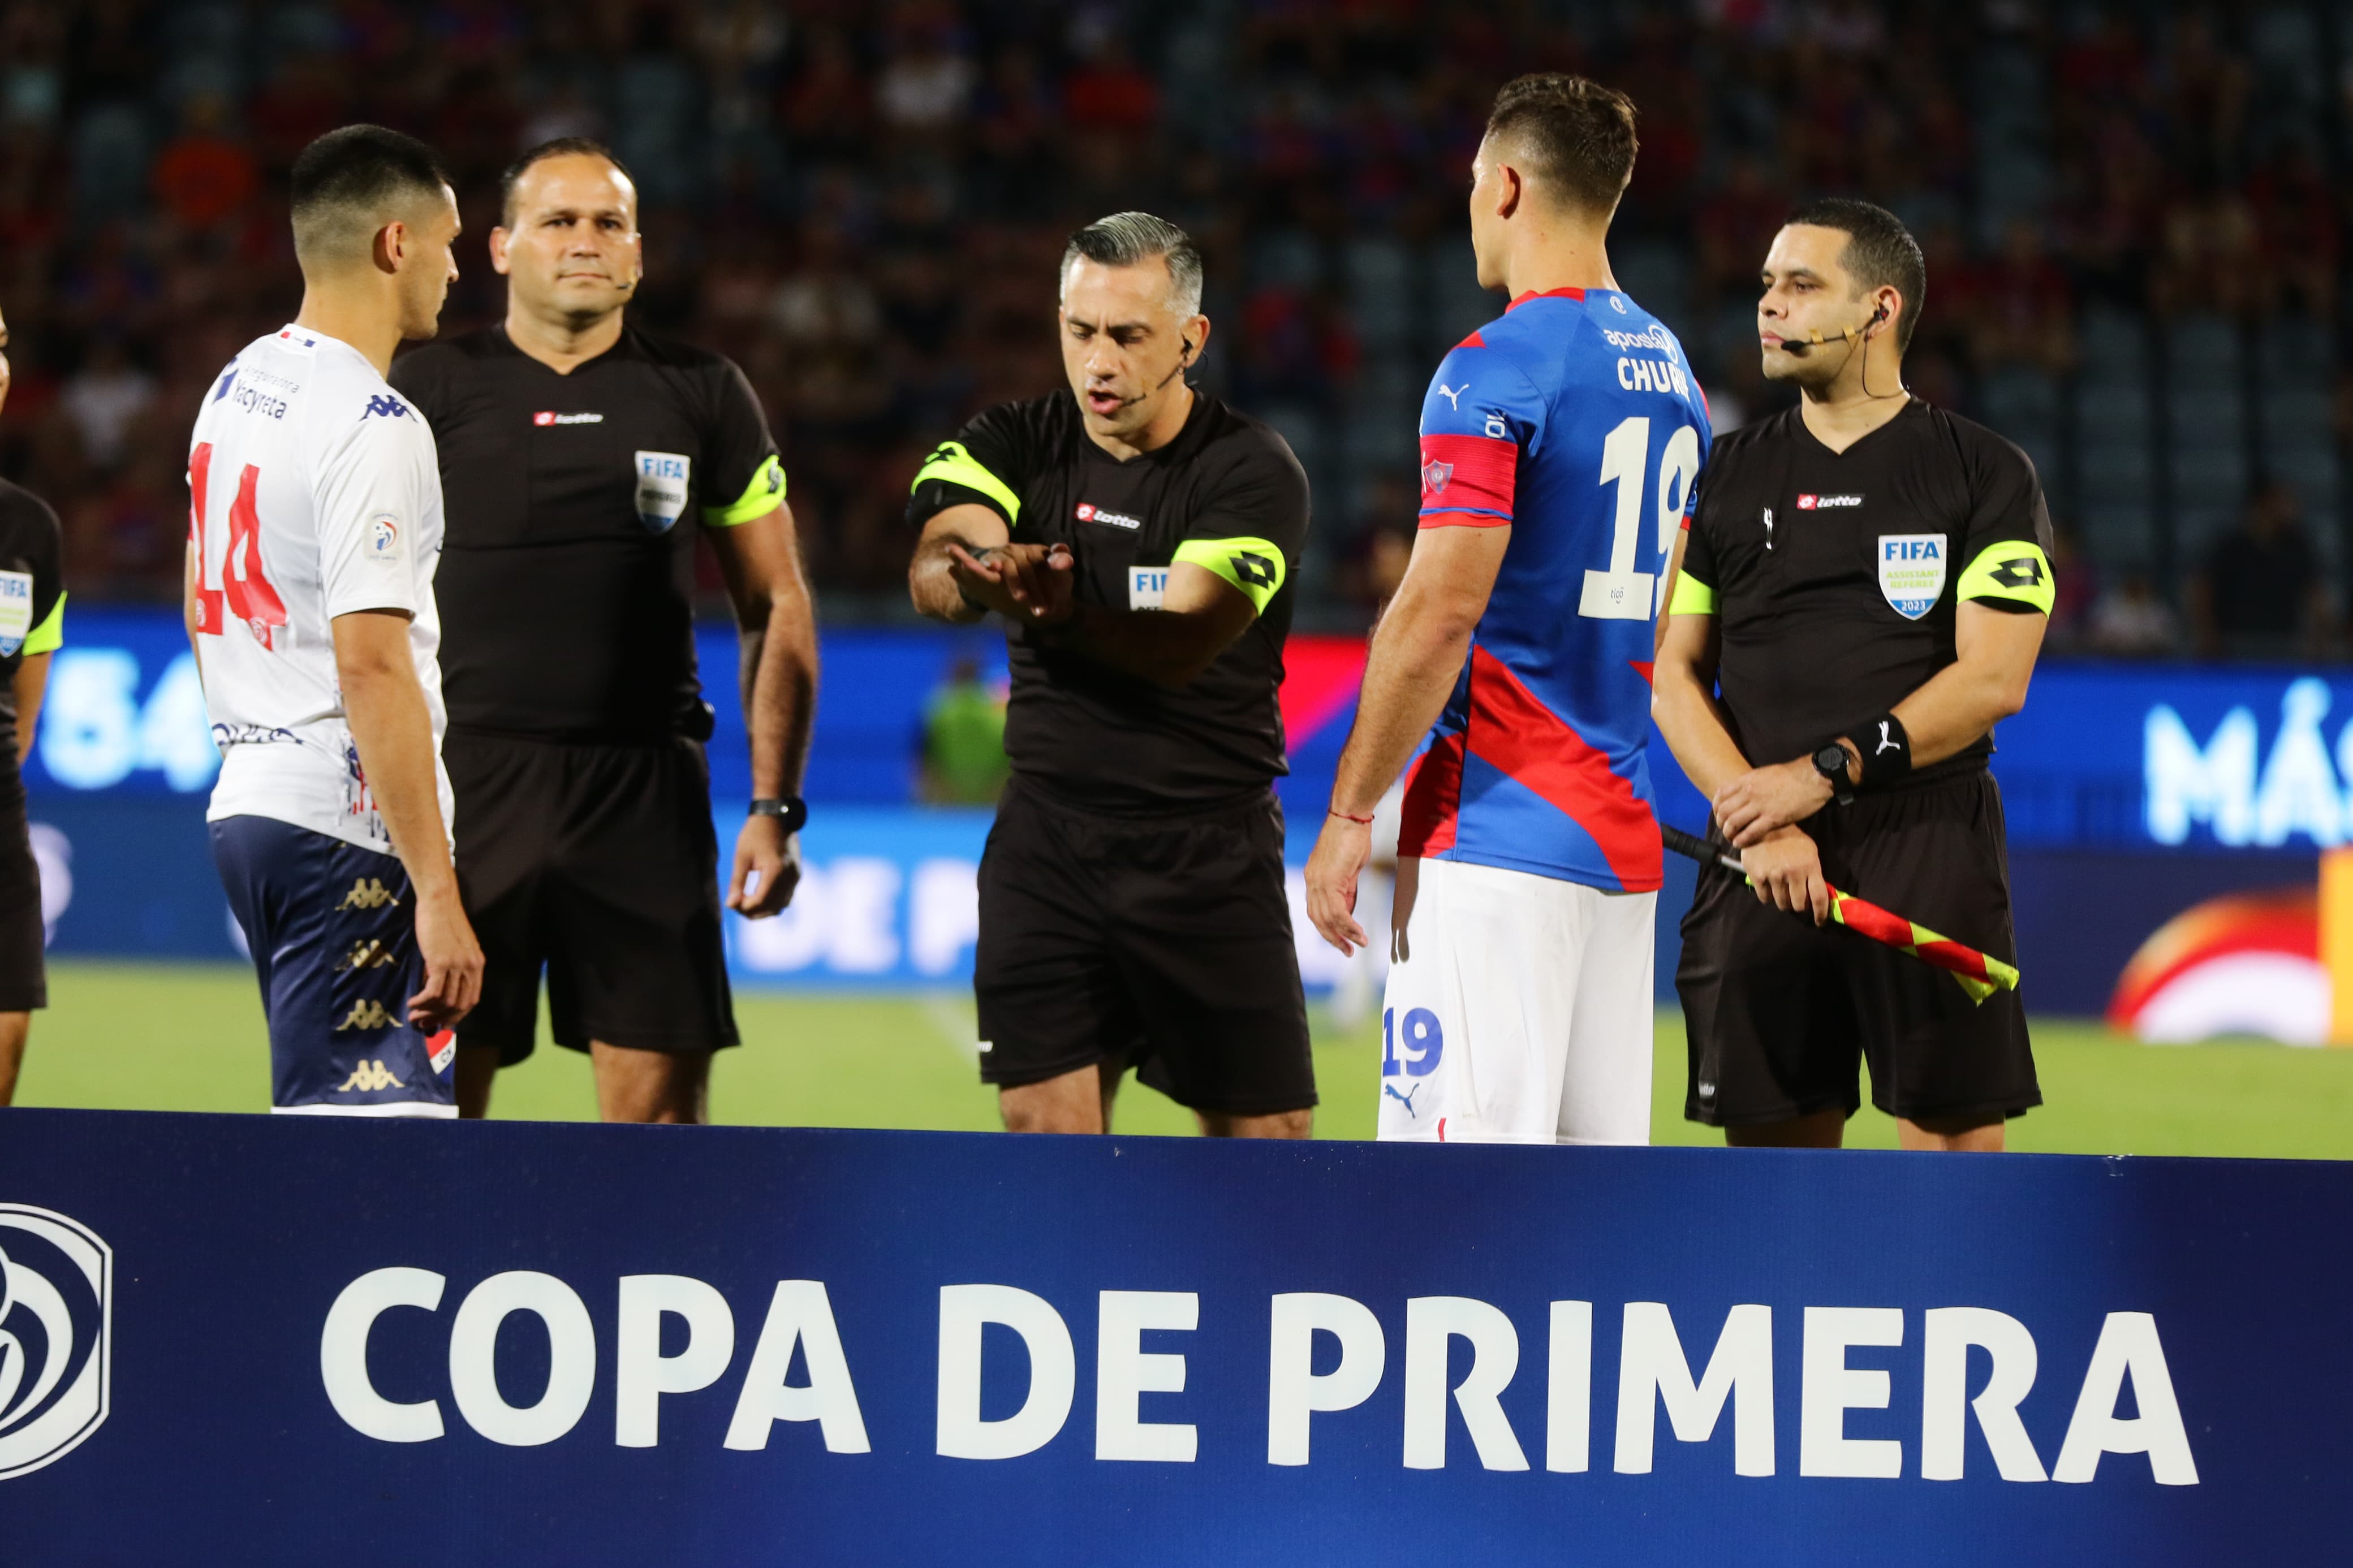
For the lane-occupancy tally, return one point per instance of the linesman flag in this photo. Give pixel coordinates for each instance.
(1979, 975)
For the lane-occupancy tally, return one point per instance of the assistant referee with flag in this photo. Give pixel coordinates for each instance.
(1869, 579)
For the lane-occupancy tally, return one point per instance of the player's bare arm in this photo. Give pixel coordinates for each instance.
(1417, 656)
(776, 626)
(1784, 864)
(30, 682)
(1986, 683)
(385, 706)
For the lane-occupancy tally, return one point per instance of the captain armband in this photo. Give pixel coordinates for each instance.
(2013, 573)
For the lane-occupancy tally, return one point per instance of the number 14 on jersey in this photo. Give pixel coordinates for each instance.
(1621, 593)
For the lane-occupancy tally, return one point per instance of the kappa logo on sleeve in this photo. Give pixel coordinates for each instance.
(391, 408)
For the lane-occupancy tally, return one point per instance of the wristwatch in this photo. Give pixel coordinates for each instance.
(1831, 762)
(794, 810)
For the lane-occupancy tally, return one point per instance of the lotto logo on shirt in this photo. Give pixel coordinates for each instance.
(1812, 503)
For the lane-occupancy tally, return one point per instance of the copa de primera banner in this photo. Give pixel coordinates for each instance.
(287, 1341)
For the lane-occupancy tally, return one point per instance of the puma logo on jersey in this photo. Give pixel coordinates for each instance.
(389, 406)
(1886, 742)
(369, 1077)
(1454, 393)
(1404, 1100)
(369, 954)
(368, 893)
(369, 1014)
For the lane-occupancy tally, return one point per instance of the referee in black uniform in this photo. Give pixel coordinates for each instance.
(1138, 537)
(580, 458)
(1869, 579)
(32, 626)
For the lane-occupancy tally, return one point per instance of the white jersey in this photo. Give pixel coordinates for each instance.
(314, 492)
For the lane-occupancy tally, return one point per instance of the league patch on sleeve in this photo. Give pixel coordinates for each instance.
(15, 610)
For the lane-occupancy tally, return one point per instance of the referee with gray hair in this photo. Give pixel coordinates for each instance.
(1137, 538)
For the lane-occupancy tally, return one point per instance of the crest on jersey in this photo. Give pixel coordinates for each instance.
(662, 479)
(1912, 572)
(1434, 476)
(15, 610)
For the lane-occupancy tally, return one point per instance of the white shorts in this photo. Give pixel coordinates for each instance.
(1518, 1009)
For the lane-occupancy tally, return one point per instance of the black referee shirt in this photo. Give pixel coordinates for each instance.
(566, 584)
(32, 607)
(1835, 576)
(1225, 495)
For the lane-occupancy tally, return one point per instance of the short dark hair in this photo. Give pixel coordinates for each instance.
(1129, 239)
(346, 184)
(1880, 253)
(1578, 135)
(560, 147)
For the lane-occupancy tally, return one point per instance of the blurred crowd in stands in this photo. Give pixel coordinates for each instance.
(2134, 218)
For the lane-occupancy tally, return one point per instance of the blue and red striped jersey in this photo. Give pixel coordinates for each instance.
(1574, 420)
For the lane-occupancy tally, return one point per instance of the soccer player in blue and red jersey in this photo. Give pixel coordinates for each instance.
(1560, 444)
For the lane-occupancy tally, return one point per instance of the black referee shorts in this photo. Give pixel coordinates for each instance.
(1161, 942)
(598, 864)
(24, 977)
(1781, 1012)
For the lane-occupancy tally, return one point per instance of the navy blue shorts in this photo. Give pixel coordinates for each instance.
(332, 929)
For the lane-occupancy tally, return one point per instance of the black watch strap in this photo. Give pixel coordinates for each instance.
(1831, 762)
(792, 808)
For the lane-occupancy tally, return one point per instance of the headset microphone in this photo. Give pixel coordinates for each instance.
(1815, 338)
(1182, 367)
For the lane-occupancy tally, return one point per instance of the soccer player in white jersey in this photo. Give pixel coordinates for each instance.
(315, 525)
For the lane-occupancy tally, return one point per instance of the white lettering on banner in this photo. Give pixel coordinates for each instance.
(1125, 1373)
(1945, 1385)
(1569, 1396)
(1828, 1388)
(943, 914)
(1432, 1324)
(95, 734)
(1053, 1372)
(642, 1374)
(1651, 1360)
(1653, 1370)
(2298, 792)
(799, 1314)
(845, 914)
(571, 1358)
(2129, 1345)
(1294, 1391)
(342, 1355)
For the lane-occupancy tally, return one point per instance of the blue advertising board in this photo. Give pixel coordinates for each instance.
(283, 1341)
(2132, 792)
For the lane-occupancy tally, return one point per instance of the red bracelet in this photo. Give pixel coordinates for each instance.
(1351, 816)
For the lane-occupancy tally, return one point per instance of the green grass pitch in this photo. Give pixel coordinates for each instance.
(155, 1036)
